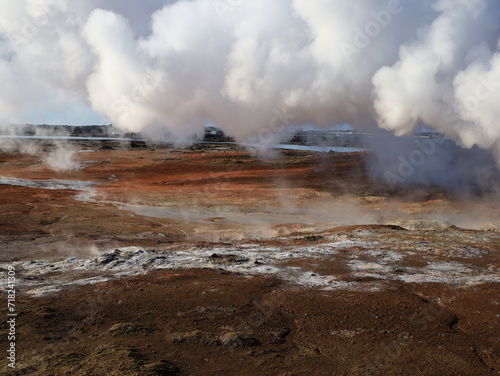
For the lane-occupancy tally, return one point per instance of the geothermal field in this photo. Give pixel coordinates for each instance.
(250, 187)
(209, 260)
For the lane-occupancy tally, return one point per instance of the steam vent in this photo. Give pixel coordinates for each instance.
(250, 188)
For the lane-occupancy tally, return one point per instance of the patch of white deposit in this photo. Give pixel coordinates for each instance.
(363, 259)
(48, 183)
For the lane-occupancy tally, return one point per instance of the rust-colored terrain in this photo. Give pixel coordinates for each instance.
(208, 260)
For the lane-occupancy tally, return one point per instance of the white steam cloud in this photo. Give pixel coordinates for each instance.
(238, 63)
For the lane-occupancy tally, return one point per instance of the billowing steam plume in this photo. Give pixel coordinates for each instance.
(253, 67)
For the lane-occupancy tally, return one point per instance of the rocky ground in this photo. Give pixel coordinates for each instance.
(207, 260)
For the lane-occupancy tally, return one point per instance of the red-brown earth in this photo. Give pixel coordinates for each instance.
(229, 264)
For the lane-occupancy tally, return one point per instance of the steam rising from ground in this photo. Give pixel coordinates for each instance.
(438, 162)
(60, 155)
(256, 67)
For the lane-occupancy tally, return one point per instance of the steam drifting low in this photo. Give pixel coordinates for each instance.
(396, 65)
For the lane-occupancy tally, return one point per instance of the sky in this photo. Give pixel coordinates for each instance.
(253, 67)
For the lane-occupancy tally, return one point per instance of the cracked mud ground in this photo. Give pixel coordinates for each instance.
(208, 261)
